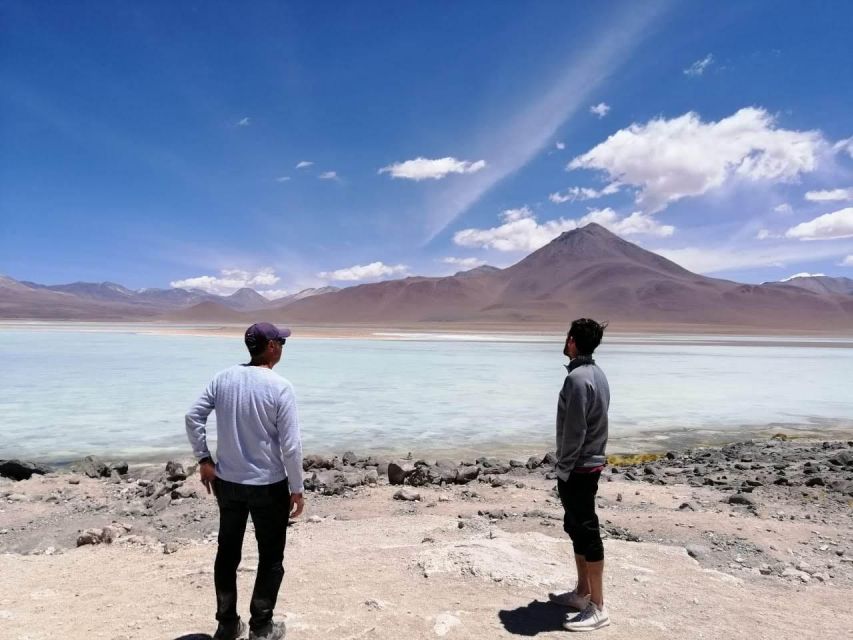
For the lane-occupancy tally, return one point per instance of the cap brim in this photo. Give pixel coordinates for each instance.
(284, 333)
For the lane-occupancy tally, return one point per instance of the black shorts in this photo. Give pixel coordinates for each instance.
(580, 521)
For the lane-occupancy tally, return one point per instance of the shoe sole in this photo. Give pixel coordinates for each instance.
(600, 625)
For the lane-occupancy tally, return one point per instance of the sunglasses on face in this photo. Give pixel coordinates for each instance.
(281, 341)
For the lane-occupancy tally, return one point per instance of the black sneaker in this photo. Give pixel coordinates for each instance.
(230, 631)
(273, 631)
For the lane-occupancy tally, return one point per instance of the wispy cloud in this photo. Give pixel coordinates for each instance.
(829, 226)
(283, 179)
(672, 159)
(464, 263)
(847, 262)
(521, 137)
(304, 164)
(601, 109)
(573, 194)
(560, 145)
(698, 68)
(784, 208)
(360, 272)
(228, 281)
(426, 169)
(329, 175)
(832, 195)
(244, 122)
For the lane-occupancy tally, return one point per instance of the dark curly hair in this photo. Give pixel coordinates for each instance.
(587, 334)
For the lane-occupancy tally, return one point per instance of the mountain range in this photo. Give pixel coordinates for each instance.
(584, 272)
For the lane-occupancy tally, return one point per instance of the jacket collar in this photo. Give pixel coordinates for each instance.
(579, 361)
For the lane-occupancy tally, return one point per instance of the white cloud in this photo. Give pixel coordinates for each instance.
(573, 194)
(673, 159)
(274, 294)
(698, 67)
(802, 274)
(304, 164)
(244, 122)
(464, 263)
(282, 179)
(560, 145)
(764, 234)
(829, 226)
(832, 195)
(328, 175)
(783, 208)
(426, 169)
(601, 109)
(364, 272)
(847, 262)
(228, 281)
(520, 230)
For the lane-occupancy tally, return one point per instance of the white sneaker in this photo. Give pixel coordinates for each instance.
(571, 599)
(590, 619)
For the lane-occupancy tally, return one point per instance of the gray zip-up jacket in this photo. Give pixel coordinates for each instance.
(582, 417)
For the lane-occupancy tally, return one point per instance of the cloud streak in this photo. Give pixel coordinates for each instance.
(426, 169)
(360, 272)
(533, 127)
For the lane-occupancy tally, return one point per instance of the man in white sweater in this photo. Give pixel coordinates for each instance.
(258, 471)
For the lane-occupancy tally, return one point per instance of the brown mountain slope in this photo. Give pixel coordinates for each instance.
(587, 271)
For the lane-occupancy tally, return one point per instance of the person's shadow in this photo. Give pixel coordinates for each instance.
(534, 618)
(196, 636)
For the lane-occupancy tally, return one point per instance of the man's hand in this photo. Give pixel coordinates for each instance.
(297, 504)
(208, 474)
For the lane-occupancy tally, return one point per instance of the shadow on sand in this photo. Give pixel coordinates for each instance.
(534, 618)
(195, 636)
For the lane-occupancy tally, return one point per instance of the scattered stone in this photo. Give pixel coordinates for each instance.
(120, 467)
(315, 519)
(175, 471)
(742, 499)
(92, 466)
(698, 551)
(407, 495)
(399, 471)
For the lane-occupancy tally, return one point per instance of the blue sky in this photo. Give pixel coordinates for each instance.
(287, 145)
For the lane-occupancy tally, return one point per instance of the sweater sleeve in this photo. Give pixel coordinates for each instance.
(196, 421)
(572, 431)
(287, 423)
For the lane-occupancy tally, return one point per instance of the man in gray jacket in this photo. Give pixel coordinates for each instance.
(258, 471)
(581, 442)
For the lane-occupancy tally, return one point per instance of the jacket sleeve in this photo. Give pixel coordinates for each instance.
(196, 421)
(290, 436)
(572, 431)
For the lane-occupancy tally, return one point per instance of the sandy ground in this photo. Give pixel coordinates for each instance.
(365, 565)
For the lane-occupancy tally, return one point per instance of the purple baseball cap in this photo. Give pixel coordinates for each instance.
(259, 335)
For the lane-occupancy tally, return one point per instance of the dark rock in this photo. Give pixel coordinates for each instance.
(621, 533)
(399, 471)
(315, 461)
(92, 466)
(516, 464)
(183, 492)
(175, 471)
(815, 481)
(550, 459)
(349, 458)
(423, 475)
(120, 467)
(842, 459)
(115, 478)
(328, 482)
(742, 499)
(689, 506)
(21, 470)
(533, 462)
(464, 475)
(649, 470)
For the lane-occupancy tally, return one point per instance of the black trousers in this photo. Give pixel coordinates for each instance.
(581, 521)
(269, 506)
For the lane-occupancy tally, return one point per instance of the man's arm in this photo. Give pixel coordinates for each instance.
(290, 436)
(574, 424)
(196, 423)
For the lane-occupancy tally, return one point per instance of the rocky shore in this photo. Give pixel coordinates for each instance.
(774, 515)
